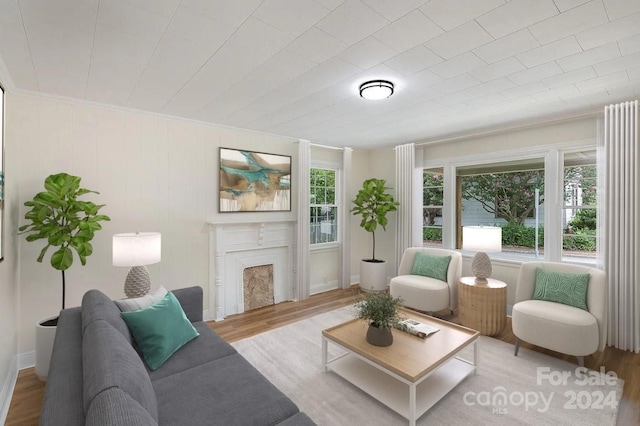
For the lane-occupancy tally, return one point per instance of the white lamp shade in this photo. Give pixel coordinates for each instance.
(482, 238)
(136, 249)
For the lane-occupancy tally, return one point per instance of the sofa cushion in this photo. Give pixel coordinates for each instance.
(419, 292)
(97, 306)
(190, 299)
(206, 348)
(556, 326)
(568, 289)
(225, 392)
(160, 329)
(135, 303)
(113, 407)
(109, 360)
(298, 419)
(431, 266)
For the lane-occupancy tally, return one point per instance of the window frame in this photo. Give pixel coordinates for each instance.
(553, 156)
(532, 163)
(441, 207)
(564, 208)
(325, 165)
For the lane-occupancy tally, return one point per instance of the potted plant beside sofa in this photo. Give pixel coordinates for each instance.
(67, 224)
(373, 202)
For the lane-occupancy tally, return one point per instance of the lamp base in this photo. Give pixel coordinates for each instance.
(481, 267)
(138, 282)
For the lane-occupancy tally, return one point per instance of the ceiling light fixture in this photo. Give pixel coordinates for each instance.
(376, 89)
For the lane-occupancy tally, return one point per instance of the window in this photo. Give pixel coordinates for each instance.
(579, 212)
(432, 203)
(324, 210)
(510, 189)
(507, 194)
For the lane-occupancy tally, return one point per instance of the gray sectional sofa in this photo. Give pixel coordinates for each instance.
(97, 376)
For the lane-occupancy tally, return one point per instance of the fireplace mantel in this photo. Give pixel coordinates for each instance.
(234, 246)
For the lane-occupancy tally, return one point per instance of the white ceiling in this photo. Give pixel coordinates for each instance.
(292, 67)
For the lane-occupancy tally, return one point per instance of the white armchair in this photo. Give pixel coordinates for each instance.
(556, 326)
(425, 293)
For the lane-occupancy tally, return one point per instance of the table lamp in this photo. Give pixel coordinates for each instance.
(136, 250)
(481, 239)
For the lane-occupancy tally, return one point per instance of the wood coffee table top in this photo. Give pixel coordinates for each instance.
(409, 356)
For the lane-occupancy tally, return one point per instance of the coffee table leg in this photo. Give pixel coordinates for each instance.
(412, 405)
(476, 356)
(324, 354)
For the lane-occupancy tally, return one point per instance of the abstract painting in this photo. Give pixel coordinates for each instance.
(254, 181)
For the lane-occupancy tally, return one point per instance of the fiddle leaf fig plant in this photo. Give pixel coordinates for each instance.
(65, 222)
(373, 202)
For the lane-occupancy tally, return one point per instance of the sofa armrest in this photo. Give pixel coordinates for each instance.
(63, 404)
(190, 299)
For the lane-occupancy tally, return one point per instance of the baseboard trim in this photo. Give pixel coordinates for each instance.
(27, 360)
(322, 287)
(7, 389)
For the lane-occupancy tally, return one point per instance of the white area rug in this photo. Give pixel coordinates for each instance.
(530, 389)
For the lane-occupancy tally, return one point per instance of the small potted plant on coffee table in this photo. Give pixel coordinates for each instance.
(381, 311)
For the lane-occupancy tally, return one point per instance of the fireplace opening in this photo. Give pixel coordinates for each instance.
(257, 282)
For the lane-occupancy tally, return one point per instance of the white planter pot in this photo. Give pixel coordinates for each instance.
(45, 336)
(373, 276)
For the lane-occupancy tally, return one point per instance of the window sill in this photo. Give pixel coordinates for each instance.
(324, 247)
(517, 260)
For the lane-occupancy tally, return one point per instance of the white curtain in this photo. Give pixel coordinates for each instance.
(405, 165)
(344, 216)
(302, 250)
(621, 242)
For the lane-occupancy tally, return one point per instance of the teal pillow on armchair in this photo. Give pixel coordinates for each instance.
(568, 289)
(431, 266)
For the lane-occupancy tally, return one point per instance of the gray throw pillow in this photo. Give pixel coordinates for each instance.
(136, 303)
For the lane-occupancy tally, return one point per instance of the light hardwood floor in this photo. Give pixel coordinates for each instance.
(27, 397)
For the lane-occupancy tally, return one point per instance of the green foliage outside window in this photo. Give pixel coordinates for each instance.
(510, 196)
(432, 196)
(432, 234)
(520, 235)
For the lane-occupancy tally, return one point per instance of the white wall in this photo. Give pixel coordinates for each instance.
(153, 174)
(9, 278)
(380, 164)
(580, 129)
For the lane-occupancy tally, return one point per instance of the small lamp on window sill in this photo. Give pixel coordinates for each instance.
(482, 239)
(136, 250)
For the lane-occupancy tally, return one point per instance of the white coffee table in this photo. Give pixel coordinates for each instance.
(412, 374)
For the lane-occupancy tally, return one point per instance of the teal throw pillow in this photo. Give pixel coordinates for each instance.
(160, 329)
(431, 266)
(568, 289)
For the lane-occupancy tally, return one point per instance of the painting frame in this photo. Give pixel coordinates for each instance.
(253, 181)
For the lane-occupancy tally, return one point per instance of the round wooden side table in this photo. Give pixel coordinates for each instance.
(483, 307)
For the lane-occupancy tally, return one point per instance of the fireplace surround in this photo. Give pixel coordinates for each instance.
(234, 247)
